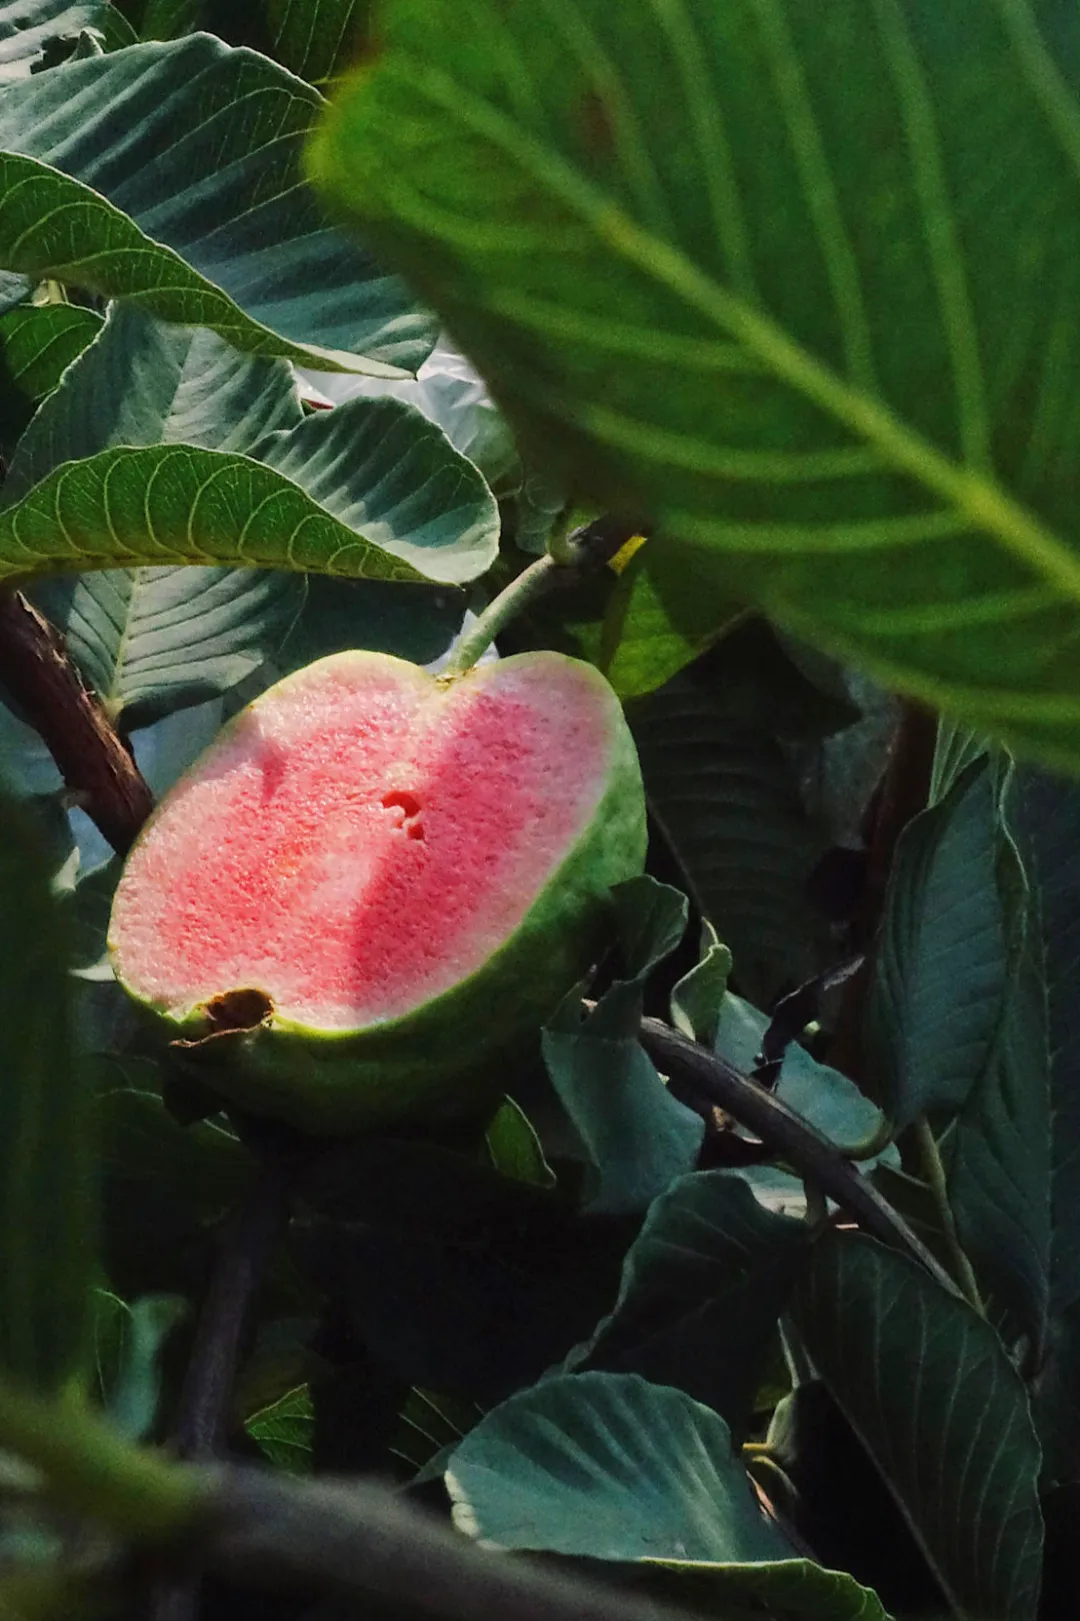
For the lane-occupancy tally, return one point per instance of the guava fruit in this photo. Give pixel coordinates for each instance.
(375, 881)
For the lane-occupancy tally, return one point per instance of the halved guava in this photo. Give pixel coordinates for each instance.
(376, 880)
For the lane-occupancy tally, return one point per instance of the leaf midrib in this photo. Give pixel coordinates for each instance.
(979, 498)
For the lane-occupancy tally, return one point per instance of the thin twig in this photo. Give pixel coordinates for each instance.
(809, 1154)
(91, 757)
(364, 1539)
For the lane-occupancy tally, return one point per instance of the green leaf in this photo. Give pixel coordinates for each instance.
(431, 1426)
(27, 26)
(46, 1147)
(824, 1097)
(857, 428)
(449, 393)
(370, 491)
(645, 640)
(940, 969)
(697, 998)
(284, 1430)
(40, 340)
(316, 38)
(213, 228)
(456, 1279)
(127, 1343)
(405, 620)
(999, 1161)
(727, 797)
(513, 1147)
(820, 1481)
(638, 1137)
(930, 1392)
(144, 383)
(162, 1185)
(168, 19)
(1046, 814)
(702, 1287)
(795, 1590)
(595, 1465)
(152, 640)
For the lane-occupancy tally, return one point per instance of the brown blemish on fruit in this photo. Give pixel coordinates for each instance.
(238, 1010)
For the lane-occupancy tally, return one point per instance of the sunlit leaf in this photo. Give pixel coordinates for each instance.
(210, 226)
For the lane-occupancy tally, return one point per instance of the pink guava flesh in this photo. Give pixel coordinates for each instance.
(362, 838)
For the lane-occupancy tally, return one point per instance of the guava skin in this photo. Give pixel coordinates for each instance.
(446, 1057)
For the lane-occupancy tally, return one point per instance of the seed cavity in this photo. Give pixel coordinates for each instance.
(409, 806)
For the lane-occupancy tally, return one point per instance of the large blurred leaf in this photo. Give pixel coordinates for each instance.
(847, 240)
(702, 1288)
(941, 963)
(168, 174)
(595, 1465)
(929, 1390)
(46, 1146)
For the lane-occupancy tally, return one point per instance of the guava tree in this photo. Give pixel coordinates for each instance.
(539, 624)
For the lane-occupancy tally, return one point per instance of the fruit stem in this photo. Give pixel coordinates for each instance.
(509, 603)
(589, 546)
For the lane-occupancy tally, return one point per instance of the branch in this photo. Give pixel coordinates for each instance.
(805, 1150)
(246, 1243)
(92, 759)
(206, 1396)
(364, 1539)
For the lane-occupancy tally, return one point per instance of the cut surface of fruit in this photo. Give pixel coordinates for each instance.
(363, 837)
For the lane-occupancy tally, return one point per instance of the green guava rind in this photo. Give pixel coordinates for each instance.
(448, 1056)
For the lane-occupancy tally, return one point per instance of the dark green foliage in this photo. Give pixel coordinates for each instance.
(791, 290)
